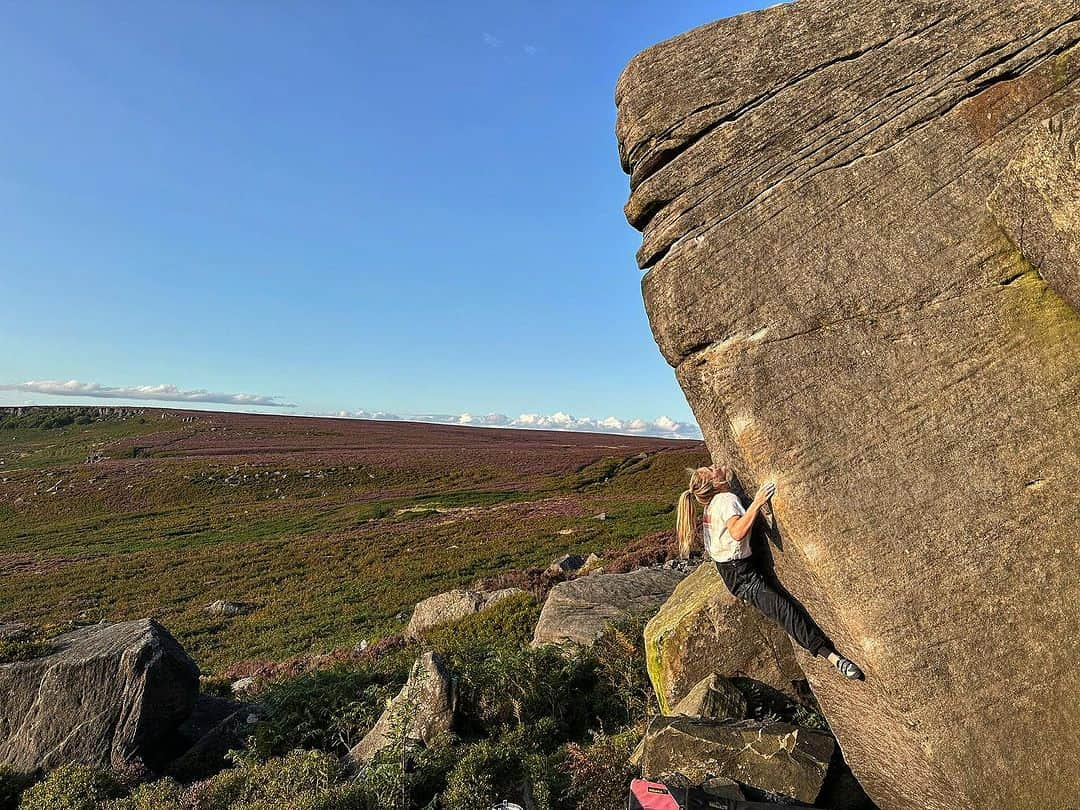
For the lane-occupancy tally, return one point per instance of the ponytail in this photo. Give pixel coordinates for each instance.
(684, 523)
(702, 487)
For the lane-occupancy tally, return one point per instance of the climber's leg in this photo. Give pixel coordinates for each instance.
(794, 622)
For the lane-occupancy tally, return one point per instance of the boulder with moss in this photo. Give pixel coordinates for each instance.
(702, 629)
(453, 605)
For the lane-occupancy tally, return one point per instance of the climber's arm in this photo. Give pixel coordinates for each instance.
(738, 527)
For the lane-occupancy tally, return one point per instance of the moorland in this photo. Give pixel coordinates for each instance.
(332, 528)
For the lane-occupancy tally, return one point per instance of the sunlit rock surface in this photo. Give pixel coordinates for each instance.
(860, 227)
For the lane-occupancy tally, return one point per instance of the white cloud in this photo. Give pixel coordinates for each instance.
(492, 41)
(662, 426)
(531, 50)
(147, 393)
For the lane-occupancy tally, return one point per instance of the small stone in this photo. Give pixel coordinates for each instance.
(566, 564)
(714, 697)
(242, 685)
(223, 607)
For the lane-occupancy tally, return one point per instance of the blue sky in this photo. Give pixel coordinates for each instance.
(410, 208)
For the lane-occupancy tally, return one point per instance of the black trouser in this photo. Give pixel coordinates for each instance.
(745, 582)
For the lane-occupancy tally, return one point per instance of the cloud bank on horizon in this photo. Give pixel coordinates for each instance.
(151, 393)
(662, 426)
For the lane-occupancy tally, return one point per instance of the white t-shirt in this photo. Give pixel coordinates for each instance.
(719, 544)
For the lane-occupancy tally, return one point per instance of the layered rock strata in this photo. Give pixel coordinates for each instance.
(860, 228)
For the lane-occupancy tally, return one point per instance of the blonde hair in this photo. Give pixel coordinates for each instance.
(700, 490)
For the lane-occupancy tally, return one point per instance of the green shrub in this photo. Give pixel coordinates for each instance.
(299, 780)
(12, 785)
(164, 794)
(492, 770)
(329, 710)
(620, 653)
(72, 787)
(767, 703)
(394, 787)
(23, 649)
(503, 687)
(600, 772)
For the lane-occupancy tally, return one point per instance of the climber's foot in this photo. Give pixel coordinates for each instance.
(849, 669)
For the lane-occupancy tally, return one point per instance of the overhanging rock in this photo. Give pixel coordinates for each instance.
(859, 222)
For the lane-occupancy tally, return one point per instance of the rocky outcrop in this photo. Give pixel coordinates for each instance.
(451, 606)
(703, 629)
(422, 710)
(776, 757)
(579, 610)
(714, 697)
(108, 695)
(860, 232)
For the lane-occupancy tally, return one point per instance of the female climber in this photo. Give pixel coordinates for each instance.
(727, 542)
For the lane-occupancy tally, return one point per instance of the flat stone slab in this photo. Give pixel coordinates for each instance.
(777, 757)
(579, 610)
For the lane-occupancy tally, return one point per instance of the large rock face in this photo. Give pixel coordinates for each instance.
(108, 695)
(579, 610)
(703, 629)
(860, 222)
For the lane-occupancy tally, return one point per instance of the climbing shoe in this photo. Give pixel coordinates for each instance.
(849, 669)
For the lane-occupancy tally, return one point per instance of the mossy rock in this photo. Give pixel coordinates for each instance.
(703, 629)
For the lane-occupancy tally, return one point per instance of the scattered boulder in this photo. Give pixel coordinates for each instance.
(579, 610)
(713, 698)
(451, 606)
(123, 689)
(702, 629)
(861, 236)
(779, 758)
(223, 607)
(566, 564)
(423, 709)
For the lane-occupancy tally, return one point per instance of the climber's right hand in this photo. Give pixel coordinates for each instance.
(764, 493)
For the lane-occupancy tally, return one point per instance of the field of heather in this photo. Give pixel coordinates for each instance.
(333, 528)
